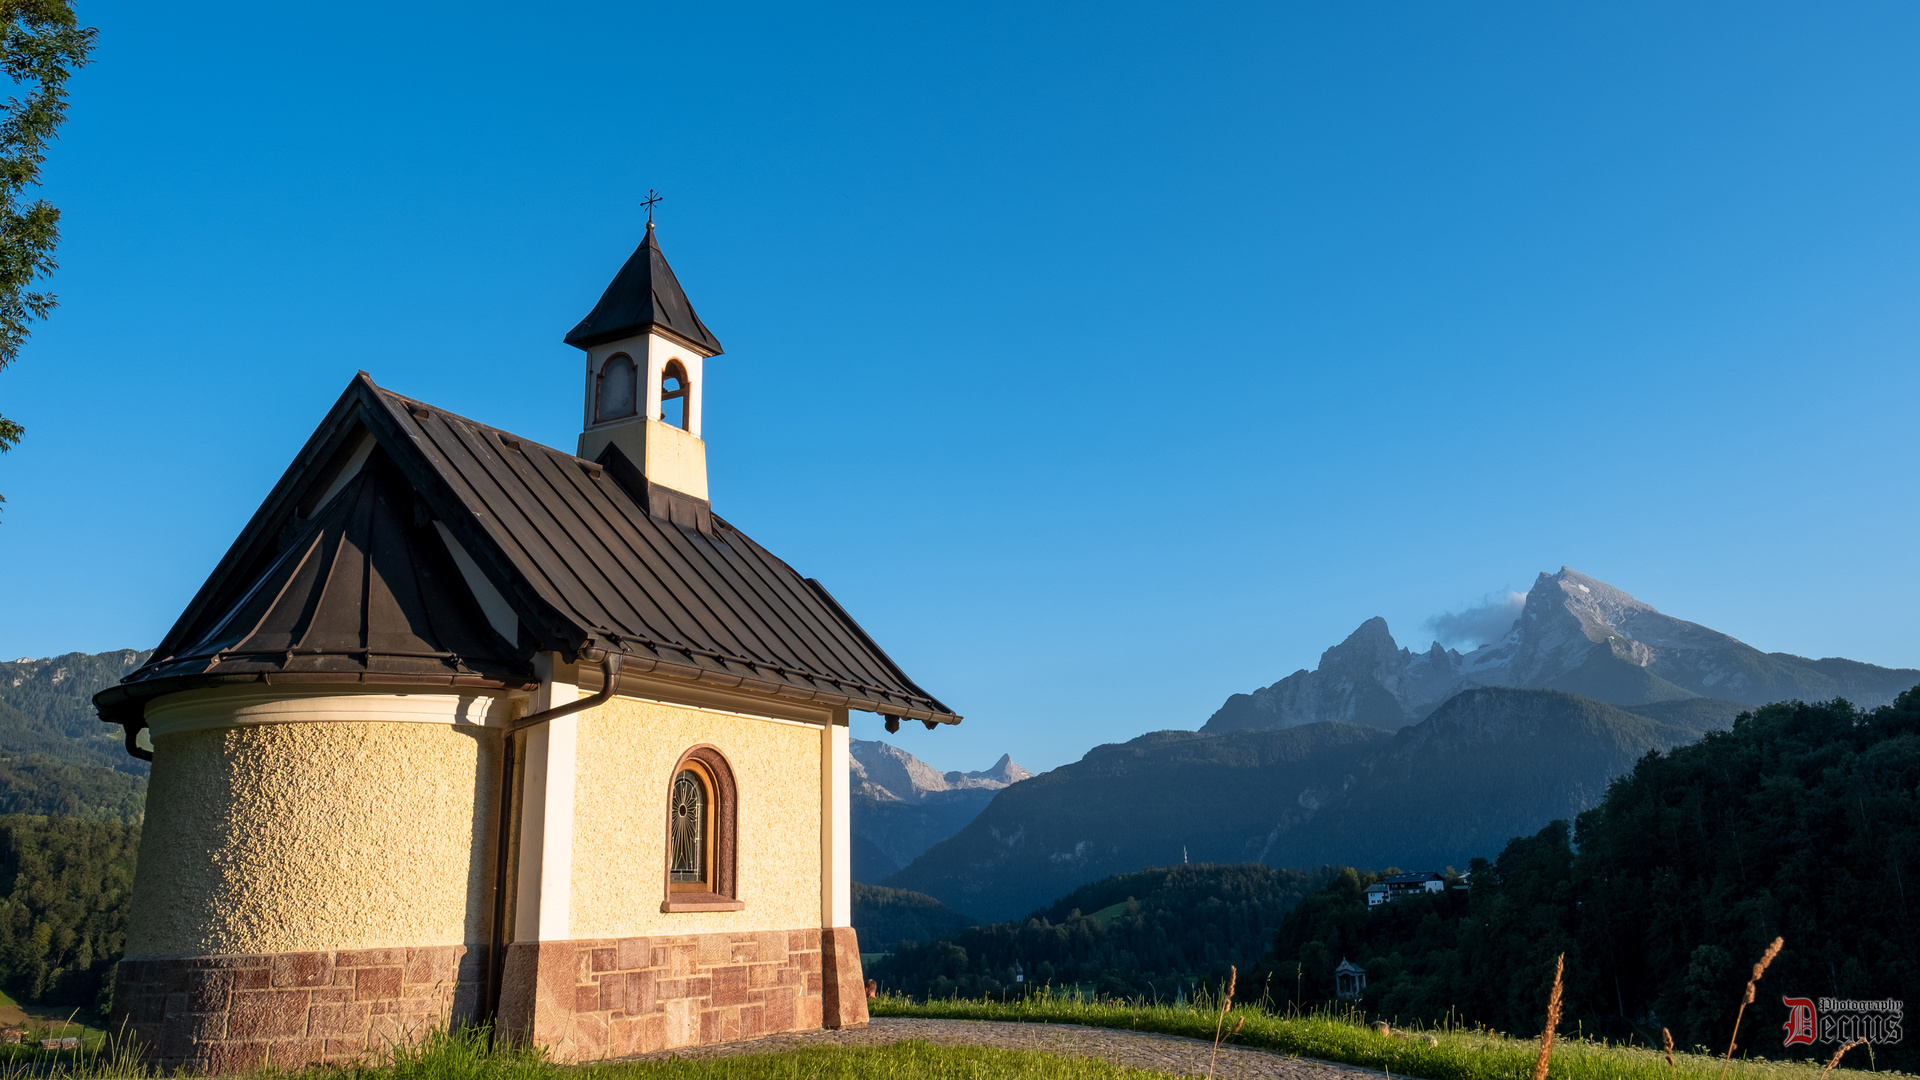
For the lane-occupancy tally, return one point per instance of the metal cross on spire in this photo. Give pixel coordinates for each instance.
(652, 197)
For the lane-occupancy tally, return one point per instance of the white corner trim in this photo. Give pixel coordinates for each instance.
(836, 839)
(543, 911)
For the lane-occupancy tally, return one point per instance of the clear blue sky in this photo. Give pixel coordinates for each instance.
(1104, 360)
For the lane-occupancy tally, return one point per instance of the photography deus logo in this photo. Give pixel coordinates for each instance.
(1839, 1020)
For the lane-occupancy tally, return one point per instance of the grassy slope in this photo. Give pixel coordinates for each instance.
(462, 1056)
(1457, 1055)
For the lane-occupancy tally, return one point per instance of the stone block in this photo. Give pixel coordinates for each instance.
(370, 958)
(302, 969)
(253, 978)
(681, 959)
(779, 1012)
(377, 983)
(428, 967)
(652, 1034)
(268, 1014)
(295, 1053)
(631, 954)
(589, 1036)
(728, 985)
(464, 1003)
(753, 1021)
(604, 960)
(333, 1021)
(772, 946)
(209, 991)
(682, 1022)
(232, 1056)
(712, 950)
(586, 999)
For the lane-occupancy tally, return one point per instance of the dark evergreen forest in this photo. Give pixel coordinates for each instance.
(63, 921)
(1801, 822)
(1149, 934)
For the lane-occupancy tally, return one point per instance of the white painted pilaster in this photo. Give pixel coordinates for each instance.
(545, 884)
(836, 837)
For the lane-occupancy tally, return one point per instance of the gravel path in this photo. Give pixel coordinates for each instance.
(1139, 1049)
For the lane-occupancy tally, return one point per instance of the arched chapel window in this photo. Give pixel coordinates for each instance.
(615, 394)
(700, 834)
(692, 828)
(673, 395)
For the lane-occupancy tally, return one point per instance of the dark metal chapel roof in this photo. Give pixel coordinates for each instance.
(643, 294)
(363, 591)
(577, 557)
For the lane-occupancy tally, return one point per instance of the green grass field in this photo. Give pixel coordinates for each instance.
(463, 1056)
(1459, 1054)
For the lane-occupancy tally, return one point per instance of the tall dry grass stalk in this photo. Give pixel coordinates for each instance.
(1759, 969)
(1840, 1053)
(1666, 1039)
(1553, 1019)
(1233, 981)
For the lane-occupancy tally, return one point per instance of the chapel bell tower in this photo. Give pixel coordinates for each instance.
(645, 354)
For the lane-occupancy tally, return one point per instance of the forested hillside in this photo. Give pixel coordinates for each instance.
(1151, 933)
(63, 919)
(1802, 822)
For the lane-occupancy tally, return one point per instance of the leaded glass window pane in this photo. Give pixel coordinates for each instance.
(689, 828)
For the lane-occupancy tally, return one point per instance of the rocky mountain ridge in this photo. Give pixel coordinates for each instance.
(1489, 764)
(1574, 633)
(902, 806)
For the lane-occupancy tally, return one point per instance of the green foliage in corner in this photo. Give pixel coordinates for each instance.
(41, 44)
(63, 922)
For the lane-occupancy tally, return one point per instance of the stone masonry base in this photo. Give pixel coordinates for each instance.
(582, 1000)
(221, 1014)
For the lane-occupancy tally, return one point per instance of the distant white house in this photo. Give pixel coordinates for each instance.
(1398, 885)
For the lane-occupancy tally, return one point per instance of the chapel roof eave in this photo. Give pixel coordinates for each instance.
(582, 563)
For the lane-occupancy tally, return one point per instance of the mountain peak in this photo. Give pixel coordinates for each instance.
(1575, 633)
(894, 774)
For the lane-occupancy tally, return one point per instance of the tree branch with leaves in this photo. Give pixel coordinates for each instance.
(41, 45)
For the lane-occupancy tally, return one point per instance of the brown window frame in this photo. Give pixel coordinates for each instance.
(719, 892)
(674, 369)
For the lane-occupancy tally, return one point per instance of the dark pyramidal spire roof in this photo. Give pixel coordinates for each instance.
(643, 294)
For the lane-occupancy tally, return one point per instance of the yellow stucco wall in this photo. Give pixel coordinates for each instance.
(627, 750)
(286, 837)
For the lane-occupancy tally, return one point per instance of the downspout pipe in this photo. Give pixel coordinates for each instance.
(497, 943)
(134, 727)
